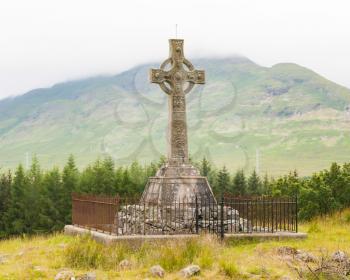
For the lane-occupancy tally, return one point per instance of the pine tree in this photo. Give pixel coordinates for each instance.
(120, 188)
(206, 170)
(254, 184)
(34, 199)
(137, 178)
(205, 167)
(52, 207)
(266, 186)
(239, 186)
(5, 195)
(70, 183)
(287, 185)
(84, 181)
(108, 184)
(346, 185)
(335, 181)
(223, 181)
(15, 216)
(126, 183)
(294, 184)
(97, 178)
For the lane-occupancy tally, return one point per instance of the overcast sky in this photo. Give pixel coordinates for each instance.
(45, 42)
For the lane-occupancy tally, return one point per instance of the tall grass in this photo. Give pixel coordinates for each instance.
(230, 269)
(230, 260)
(86, 253)
(173, 256)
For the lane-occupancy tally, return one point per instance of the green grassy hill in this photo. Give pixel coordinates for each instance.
(293, 116)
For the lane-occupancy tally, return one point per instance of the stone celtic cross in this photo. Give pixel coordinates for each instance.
(176, 77)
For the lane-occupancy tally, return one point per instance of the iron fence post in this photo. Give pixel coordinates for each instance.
(272, 215)
(296, 212)
(197, 225)
(144, 217)
(72, 208)
(222, 230)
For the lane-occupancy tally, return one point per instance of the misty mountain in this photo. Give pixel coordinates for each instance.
(286, 115)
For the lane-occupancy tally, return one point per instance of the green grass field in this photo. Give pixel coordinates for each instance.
(41, 257)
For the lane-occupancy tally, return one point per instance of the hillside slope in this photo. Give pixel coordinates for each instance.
(292, 116)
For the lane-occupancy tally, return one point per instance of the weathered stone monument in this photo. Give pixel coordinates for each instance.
(178, 200)
(177, 180)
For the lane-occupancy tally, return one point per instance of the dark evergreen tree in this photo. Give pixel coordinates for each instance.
(288, 185)
(335, 179)
(206, 170)
(99, 178)
(205, 167)
(345, 199)
(316, 198)
(266, 186)
(87, 181)
(5, 195)
(308, 206)
(239, 185)
(138, 178)
(254, 186)
(126, 183)
(70, 183)
(15, 220)
(223, 181)
(35, 199)
(119, 180)
(108, 184)
(53, 206)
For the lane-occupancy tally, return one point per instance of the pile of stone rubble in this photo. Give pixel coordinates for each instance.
(176, 219)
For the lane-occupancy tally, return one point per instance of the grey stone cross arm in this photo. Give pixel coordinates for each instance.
(182, 71)
(177, 76)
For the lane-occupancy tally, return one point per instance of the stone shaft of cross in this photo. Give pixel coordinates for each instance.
(177, 82)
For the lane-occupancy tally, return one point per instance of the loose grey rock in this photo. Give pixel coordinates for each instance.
(20, 254)
(253, 276)
(190, 271)
(138, 218)
(65, 275)
(285, 278)
(124, 264)
(157, 271)
(87, 276)
(38, 268)
(287, 258)
(3, 259)
(286, 250)
(339, 256)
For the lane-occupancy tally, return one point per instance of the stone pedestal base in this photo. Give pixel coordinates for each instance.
(181, 183)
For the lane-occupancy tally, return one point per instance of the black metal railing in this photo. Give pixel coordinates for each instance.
(227, 215)
(265, 214)
(95, 212)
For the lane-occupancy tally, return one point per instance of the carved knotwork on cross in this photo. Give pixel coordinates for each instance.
(177, 82)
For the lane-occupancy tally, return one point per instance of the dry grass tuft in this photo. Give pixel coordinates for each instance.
(41, 257)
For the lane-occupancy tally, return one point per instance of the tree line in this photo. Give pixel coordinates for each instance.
(39, 201)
